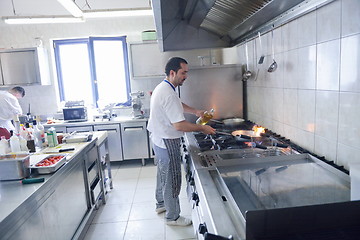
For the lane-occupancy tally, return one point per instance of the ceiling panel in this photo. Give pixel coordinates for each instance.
(52, 7)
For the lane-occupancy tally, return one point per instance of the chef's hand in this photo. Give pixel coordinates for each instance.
(206, 129)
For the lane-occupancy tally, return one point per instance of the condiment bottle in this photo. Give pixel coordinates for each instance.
(15, 143)
(52, 137)
(41, 128)
(4, 146)
(206, 118)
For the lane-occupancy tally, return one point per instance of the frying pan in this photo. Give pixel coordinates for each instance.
(231, 122)
(238, 137)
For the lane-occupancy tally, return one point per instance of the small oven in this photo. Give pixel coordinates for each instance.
(75, 114)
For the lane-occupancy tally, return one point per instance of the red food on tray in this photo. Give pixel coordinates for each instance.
(49, 161)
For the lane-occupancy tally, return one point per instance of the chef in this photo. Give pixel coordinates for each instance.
(10, 107)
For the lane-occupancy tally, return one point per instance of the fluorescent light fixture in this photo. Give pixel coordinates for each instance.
(71, 6)
(118, 13)
(38, 20)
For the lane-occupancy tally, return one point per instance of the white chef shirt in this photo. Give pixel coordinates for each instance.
(9, 107)
(165, 109)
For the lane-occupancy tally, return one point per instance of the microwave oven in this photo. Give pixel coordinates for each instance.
(75, 114)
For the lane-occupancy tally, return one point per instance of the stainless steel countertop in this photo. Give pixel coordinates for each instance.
(14, 193)
(116, 120)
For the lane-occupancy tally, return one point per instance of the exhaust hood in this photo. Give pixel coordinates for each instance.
(195, 24)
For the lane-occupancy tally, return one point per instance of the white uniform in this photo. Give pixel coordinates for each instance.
(9, 107)
(165, 109)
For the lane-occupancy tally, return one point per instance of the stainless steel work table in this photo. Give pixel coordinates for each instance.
(19, 201)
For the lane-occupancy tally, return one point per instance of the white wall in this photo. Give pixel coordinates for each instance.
(44, 99)
(313, 97)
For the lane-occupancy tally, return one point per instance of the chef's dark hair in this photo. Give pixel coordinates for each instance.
(174, 64)
(19, 90)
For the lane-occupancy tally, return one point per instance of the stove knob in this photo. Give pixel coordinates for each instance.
(202, 228)
(185, 149)
(195, 198)
(192, 181)
(187, 157)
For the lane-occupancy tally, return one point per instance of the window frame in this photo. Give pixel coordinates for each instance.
(91, 55)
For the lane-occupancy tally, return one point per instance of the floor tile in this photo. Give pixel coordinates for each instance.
(153, 229)
(106, 231)
(148, 172)
(146, 183)
(144, 195)
(117, 196)
(113, 213)
(144, 210)
(125, 184)
(177, 233)
(124, 173)
(130, 209)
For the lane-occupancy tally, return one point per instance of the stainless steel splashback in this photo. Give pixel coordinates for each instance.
(220, 88)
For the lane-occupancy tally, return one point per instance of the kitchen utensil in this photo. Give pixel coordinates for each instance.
(273, 66)
(238, 137)
(247, 74)
(61, 150)
(261, 59)
(51, 168)
(14, 166)
(232, 122)
(216, 121)
(32, 180)
(78, 137)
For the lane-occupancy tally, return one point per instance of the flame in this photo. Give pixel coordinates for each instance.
(258, 130)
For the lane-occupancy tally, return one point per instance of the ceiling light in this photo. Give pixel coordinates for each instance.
(118, 13)
(71, 6)
(38, 20)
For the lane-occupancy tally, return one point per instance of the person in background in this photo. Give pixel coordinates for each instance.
(167, 125)
(10, 107)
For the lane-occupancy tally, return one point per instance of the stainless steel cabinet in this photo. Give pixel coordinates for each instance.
(114, 140)
(135, 140)
(59, 216)
(24, 66)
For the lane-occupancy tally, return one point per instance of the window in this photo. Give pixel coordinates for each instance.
(93, 69)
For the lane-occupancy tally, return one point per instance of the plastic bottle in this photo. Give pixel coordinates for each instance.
(23, 132)
(23, 144)
(15, 143)
(206, 118)
(30, 139)
(4, 146)
(52, 137)
(41, 129)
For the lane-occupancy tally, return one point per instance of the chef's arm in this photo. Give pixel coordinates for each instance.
(197, 112)
(185, 126)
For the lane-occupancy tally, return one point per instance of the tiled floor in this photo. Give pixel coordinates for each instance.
(130, 209)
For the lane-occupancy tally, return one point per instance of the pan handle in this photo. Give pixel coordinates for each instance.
(224, 133)
(281, 145)
(260, 146)
(216, 121)
(243, 136)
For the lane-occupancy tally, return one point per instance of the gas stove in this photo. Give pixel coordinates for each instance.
(268, 182)
(221, 147)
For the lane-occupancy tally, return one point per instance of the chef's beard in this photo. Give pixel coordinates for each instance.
(182, 82)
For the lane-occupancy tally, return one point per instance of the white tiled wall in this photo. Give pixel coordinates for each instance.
(313, 97)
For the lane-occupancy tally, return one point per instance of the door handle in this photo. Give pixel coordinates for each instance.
(133, 128)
